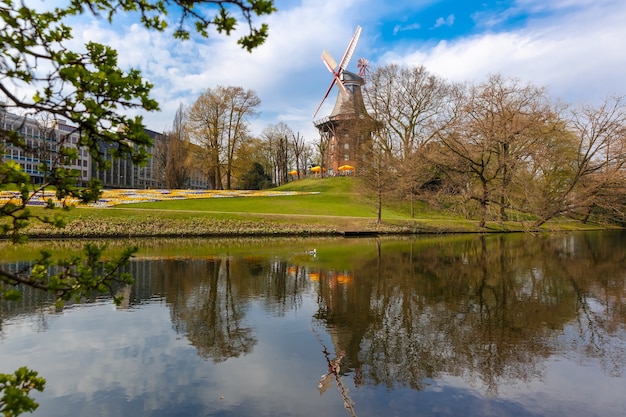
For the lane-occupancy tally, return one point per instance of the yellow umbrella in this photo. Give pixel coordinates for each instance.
(346, 168)
(294, 172)
(316, 168)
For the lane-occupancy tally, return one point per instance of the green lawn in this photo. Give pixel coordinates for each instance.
(335, 197)
(337, 205)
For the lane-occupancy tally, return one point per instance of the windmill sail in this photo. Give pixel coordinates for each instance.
(337, 70)
(331, 64)
(350, 50)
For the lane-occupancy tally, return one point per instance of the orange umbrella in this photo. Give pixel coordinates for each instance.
(346, 168)
(316, 168)
(344, 278)
(294, 172)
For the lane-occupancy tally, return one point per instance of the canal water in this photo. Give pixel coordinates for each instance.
(470, 325)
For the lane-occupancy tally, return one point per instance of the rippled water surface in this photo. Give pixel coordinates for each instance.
(513, 325)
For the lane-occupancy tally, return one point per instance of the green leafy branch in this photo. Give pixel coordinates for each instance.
(14, 390)
(75, 278)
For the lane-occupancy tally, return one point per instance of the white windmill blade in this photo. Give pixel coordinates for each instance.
(329, 61)
(350, 50)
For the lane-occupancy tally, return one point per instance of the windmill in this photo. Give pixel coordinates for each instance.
(338, 69)
(345, 133)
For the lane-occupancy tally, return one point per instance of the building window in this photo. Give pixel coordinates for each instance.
(346, 157)
(346, 146)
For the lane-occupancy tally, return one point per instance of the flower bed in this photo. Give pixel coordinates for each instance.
(111, 198)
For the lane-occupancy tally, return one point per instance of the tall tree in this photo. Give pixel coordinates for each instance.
(277, 140)
(179, 157)
(251, 151)
(376, 174)
(219, 121)
(412, 105)
(594, 175)
(300, 154)
(497, 125)
(242, 105)
(173, 154)
(91, 92)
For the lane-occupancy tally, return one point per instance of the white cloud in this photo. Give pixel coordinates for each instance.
(405, 28)
(573, 48)
(286, 72)
(577, 56)
(448, 21)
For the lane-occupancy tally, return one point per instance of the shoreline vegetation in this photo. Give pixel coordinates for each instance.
(309, 207)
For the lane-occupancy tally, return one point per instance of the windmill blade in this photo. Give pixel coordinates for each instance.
(331, 64)
(337, 70)
(342, 85)
(332, 84)
(328, 60)
(350, 50)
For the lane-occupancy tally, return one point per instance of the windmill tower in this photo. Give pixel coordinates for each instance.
(346, 133)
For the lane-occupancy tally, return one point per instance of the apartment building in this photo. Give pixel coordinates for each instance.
(43, 140)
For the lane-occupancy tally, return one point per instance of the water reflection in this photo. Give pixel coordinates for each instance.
(490, 309)
(207, 309)
(431, 315)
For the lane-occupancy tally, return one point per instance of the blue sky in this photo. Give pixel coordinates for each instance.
(574, 48)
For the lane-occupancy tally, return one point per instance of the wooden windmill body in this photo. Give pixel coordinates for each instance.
(345, 134)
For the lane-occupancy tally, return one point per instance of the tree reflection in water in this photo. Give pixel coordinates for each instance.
(334, 375)
(487, 309)
(207, 310)
(491, 310)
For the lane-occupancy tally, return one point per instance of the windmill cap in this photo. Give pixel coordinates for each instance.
(350, 77)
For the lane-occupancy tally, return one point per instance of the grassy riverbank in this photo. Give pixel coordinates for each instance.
(330, 206)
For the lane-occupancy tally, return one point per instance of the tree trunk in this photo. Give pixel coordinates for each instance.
(380, 206)
(483, 206)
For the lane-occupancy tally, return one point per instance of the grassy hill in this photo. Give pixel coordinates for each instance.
(328, 197)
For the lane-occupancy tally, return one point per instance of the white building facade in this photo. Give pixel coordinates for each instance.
(42, 140)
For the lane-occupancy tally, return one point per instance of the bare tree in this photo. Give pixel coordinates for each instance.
(46, 149)
(412, 106)
(497, 125)
(242, 105)
(299, 148)
(178, 168)
(378, 174)
(277, 138)
(219, 123)
(594, 177)
(410, 102)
